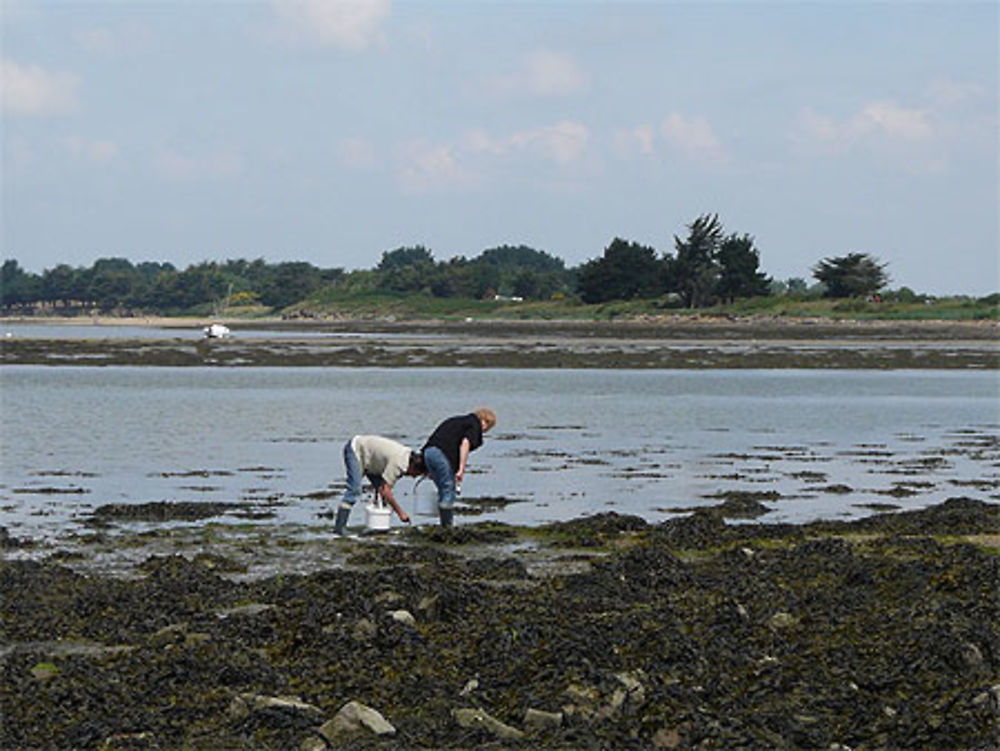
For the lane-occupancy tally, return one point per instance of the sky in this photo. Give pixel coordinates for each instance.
(331, 131)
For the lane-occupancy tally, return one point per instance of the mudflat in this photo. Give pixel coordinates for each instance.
(655, 342)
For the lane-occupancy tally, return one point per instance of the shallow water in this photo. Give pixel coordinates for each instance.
(826, 444)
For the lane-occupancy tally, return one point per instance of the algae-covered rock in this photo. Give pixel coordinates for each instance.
(355, 717)
(477, 718)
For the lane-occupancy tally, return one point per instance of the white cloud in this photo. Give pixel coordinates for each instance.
(31, 90)
(945, 93)
(636, 140)
(429, 167)
(893, 121)
(541, 74)
(177, 167)
(465, 163)
(353, 25)
(693, 137)
(92, 151)
(562, 143)
(916, 139)
(886, 121)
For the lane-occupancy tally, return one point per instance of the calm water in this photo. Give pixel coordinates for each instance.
(568, 443)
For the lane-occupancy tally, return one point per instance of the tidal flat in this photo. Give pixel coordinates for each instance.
(666, 343)
(198, 624)
(599, 633)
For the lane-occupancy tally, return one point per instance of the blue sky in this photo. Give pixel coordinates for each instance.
(330, 131)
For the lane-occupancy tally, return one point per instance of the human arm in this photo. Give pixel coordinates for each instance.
(385, 490)
(463, 456)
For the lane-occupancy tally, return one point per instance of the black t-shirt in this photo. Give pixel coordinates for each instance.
(448, 436)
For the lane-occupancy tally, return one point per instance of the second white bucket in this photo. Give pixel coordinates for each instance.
(427, 499)
(377, 516)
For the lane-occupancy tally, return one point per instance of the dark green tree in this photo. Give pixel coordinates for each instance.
(17, 286)
(520, 257)
(739, 275)
(853, 275)
(626, 271)
(289, 283)
(407, 269)
(63, 285)
(694, 272)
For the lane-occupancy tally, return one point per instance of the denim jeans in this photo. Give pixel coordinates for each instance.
(439, 470)
(354, 475)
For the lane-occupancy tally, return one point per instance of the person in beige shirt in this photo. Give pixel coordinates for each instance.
(383, 461)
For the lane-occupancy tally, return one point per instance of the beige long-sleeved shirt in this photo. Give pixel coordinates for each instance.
(381, 456)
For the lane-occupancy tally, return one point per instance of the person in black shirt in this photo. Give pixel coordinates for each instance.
(447, 451)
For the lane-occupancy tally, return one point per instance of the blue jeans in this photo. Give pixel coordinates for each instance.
(354, 475)
(440, 472)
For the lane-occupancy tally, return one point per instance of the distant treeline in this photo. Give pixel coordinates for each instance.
(706, 267)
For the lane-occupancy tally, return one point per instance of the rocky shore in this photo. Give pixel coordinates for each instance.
(599, 633)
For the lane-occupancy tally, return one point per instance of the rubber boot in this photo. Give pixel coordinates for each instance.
(447, 516)
(340, 526)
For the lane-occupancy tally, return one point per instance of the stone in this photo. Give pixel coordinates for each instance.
(666, 738)
(364, 630)
(782, 620)
(43, 671)
(354, 717)
(429, 607)
(172, 634)
(536, 719)
(477, 718)
(388, 597)
(405, 617)
(244, 705)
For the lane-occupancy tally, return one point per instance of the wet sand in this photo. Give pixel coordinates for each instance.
(668, 342)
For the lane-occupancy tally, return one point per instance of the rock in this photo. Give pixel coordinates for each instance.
(636, 691)
(364, 630)
(177, 634)
(250, 609)
(354, 717)
(172, 634)
(469, 687)
(477, 718)
(972, 657)
(666, 738)
(782, 620)
(405, 617)
(429, 607)
(244, 705)
(536, 719)
(388, 597)
(43, 671)
(144, 741)
(989, 698)
(582, 700)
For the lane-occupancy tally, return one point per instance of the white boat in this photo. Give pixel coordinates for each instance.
(217, 331)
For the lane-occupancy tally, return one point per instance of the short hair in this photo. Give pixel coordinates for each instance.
(486, 415)
(417, 465)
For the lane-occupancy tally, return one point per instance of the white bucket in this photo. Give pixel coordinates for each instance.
(427, 499)
(377, 516)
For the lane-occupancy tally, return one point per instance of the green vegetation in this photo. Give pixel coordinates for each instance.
(710, 272)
